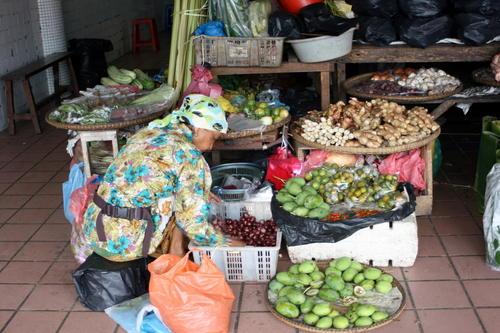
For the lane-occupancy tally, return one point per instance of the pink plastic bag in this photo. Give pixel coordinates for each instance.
(409, 167)
(200, 83)
(314, 160)
(281, 167)
(81, 198)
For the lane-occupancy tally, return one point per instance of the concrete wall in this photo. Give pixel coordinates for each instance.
(20, 44)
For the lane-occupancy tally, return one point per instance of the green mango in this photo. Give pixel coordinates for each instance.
(356, 265)
(334, 314)
(294, 269)
(307, 267)
(275, 286)
(284, 197)
(328, 295)
(311, 319)
(289, 206)
(368, 284)
(325, 323)
(317, 284)
(312, 292)
(307, 306)
(287, 309)
(296, 296)
(294, 188)
(301, 198)
(347, 291)
(360, 277)
(332, 271)
(309, 189)
(285, 278)
(322, 309)
(304, 279)
(325, 206)
(317, 276)
(379, 316)
(372, 273)
(300, 211)
(297, 180)
(383, 287)
(335, 282)
(363, 322)
(340, 322)
(352, 316)
(386, 277)
(313, 201)
(318, 213)
(365, 310)
(343, 263)
(349, 274)
(284, 291)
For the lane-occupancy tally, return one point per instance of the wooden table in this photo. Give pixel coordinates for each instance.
(323, 68)
(24, 74)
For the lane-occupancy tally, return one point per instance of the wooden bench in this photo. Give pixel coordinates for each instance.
(24, 74)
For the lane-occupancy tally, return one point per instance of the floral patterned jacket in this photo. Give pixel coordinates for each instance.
(158, 168)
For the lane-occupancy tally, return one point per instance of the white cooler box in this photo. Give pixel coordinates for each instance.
(385, 244)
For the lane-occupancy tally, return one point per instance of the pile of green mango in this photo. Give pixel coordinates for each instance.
(331, 298)
(302, 200)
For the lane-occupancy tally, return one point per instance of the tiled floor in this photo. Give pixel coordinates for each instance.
(450, 289)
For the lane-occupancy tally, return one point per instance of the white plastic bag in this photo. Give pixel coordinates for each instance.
(491, 218)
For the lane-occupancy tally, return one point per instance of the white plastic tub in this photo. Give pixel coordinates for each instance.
(323, 48)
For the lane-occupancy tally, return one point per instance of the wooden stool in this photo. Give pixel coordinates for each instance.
(92, 136)
(137, 42)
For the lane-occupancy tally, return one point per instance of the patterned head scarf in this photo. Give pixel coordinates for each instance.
(199, 111)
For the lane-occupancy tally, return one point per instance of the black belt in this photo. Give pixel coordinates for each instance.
(137, 213)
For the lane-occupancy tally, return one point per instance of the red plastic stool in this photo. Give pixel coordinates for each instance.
(137, 42)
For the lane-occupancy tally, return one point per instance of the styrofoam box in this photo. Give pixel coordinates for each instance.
(385, 244)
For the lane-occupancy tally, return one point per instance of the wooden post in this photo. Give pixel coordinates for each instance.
(72, 74)
(9, 94)
(31, 104)
(340, 76)
(325, 89)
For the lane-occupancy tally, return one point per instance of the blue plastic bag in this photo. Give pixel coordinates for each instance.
(76, 179)
(138, 315)
(211, 28)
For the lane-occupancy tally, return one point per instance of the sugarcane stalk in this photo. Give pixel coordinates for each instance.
(173, 42)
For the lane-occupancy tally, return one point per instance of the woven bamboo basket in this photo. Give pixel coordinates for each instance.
(485, 76)
(307, 328)
(244, 134)
(364, 150)
(351, 84)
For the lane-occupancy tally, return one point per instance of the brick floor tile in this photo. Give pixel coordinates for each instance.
(236, 288)
(51, 188)
(6, 157)
(261, 322)
(53, 232)
(50, 165)
(40, 251)
(60, 273)
(44, 201)
(23, 272)
(13, 201)
(438, 294)
(37, 177)
(474, 267)
(13, 295)
(449, 208)
(409, 302)
(67, 255)
(10, 177)
(5, 214)
(254, 297)
(4, 186)
(4, 318)
(31, 216)
(88, 322)
(430, 268)
(60, 177)
(51, 297)
(9, 249)
(490, 319)
(57, 217)
(464, 245)
(406, 323)
(24, 188)
(17, 232)
(79, 307)
(459, 225)
(17, 166)
(430, 246)
(425, 227)
(444, 193)
(35, 321)
(451, 320)
(484, 292)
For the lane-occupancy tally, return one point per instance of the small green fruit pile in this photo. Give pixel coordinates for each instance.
(316, 297)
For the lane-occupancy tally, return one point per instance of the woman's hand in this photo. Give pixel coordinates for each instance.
(213, 198)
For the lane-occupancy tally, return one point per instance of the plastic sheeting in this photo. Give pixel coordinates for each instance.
(491, 218)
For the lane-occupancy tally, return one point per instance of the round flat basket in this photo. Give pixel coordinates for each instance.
(351, 85)
(105, 126)
(364, 150)
(306, 328)
(244, 134)
(485, 76)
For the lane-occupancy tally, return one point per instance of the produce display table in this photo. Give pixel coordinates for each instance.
(323, 68)
(449, 53)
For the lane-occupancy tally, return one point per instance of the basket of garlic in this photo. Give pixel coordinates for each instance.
(374, 127)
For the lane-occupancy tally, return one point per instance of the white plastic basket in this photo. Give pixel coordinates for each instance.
(243, 264)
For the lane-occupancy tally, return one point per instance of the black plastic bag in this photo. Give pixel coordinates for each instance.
(380, 8)
(101, 283)
(476, 29)
(302, 231)
(485, 7)
(376, 30)
(318, 19)
(423, 32)
(283, 24)
(422, 8)
(89, 60)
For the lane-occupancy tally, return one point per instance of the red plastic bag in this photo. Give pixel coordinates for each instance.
(282, 165)
(200, 83)
(409, 167)
(81, 197)
(190, 298)
(314, 160)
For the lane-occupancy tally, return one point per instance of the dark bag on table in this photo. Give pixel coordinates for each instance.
(379, 8)
(376, 30)
(484, 7)
(476, 29)
(101, 283)
(423, 32)
(422, 8)
(302, 230)
(283, 24)
(318, 19)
